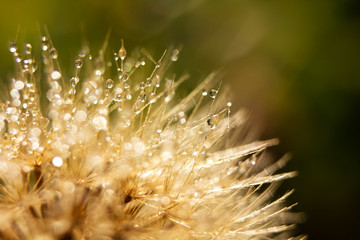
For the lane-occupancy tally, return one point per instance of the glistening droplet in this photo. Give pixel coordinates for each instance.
(12, 46)
(109, 83)
(213, 121)
(44, 43)
(212, 93)
(28, 48)
(53, 53)
(78, 63)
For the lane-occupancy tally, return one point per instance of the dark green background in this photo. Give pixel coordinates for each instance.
(293, 63)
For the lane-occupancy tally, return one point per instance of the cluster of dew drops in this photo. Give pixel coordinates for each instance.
(25, 97)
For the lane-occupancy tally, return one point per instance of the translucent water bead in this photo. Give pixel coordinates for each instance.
(12, 46)
(213, 93)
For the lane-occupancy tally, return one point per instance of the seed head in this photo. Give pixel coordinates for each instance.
(111, 153)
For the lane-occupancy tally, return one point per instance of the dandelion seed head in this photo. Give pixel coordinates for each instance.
(123, 157)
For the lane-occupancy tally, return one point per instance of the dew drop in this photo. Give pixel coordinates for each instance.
(204, 92)
(28, 48)
(14, 93)
(213, 121)
(122, 53)
(99, 123)
(152, 97)
(80, 116)
(175, 55)
(148, 82)
(55, 75)
(98, 72)
(182, 120)
(78, 63)
(212, 93)
(124, 76)
(109, 83)
(17, 57)
(45, 43)
(118, 97)
(142, 97)
(16, 102)
(106, 92)
(74, 81)
(53, 53)
(67, 117)
(116, 56)
(137, 108)
(142, 85)
(12, 46)
(228, 104)
(57, 161)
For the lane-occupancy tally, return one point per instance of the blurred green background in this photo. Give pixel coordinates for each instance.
(294, 64)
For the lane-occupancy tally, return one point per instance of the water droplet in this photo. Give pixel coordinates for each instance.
(14, 93)
(126, 86)
(142, 97)
(175, 55)
(33, 66)
(157, 80)
(203, 92)
(98, 72)
(118, 90)
(182, 120)
(213, 121)
(45, 43)
(17, 57)
(116, 56)
(74, 81)
(137, 108)
(67, 117)
(122, 51)
(228, 104)
(19, 85)
(212, 93)
(80, 116)
(55, 75)
(109, 83)
(99, 123)
(148, 82)
(53, 53)
(124, 76)
(142, 85)
(118, 97)
(128, 96)
(16, 102)
(152, 97)
(28, 48)
(78, 63)
(12, 46)
(106, 92)
(57, 161)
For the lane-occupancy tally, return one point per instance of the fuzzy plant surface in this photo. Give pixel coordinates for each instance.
(110, 152)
